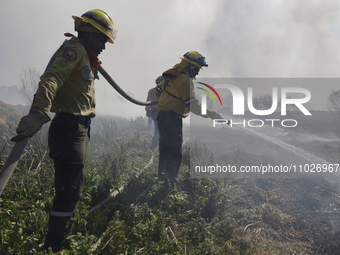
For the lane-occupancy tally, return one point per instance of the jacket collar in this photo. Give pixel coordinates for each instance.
(94, 59)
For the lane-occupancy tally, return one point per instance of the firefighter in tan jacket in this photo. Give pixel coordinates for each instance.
(67, 89)
(176, 101)
(152, 110)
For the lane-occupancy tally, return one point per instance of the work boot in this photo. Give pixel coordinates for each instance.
(59, 228)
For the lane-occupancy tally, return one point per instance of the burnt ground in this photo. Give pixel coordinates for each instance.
(300, 216)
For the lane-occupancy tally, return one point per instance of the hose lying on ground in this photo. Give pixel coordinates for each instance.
(116, 192)
(113, 195)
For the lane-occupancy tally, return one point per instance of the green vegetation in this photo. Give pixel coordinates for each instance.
(198, 216)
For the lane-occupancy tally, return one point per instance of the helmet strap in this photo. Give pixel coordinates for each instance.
(190, 69)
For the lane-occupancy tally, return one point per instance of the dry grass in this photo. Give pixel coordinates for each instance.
(293, 221)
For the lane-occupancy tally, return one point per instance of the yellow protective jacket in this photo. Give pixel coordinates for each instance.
(179, 96)
(68, 82)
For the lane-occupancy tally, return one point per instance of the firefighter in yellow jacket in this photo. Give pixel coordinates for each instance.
(176, 101)
(67, 89)
(152, 110)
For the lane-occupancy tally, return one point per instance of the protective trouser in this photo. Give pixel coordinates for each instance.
(68, 140)
(170, 127)
(155, 139)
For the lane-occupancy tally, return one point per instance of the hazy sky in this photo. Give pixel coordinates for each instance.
(239, 38)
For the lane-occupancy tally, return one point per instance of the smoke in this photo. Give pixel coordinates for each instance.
(274, 39)
(261, 38)
(152, 36)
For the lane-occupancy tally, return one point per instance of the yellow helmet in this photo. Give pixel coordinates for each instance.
(195, 58)
(100, 20)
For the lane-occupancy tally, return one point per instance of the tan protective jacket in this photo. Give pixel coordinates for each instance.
(153, 95)
(182, 99)
(68, 82)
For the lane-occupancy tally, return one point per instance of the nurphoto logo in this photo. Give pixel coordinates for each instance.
(238, 106)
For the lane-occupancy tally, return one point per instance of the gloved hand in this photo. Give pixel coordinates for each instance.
(30, 124)
(217, 116)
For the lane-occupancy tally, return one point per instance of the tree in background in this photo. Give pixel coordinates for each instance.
(29, 84)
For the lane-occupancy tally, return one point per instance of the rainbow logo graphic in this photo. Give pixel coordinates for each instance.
(209, 93)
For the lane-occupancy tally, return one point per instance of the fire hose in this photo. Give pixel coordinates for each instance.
(13, 158)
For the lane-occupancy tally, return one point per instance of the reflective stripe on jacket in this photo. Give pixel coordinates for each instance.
(68, 82)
